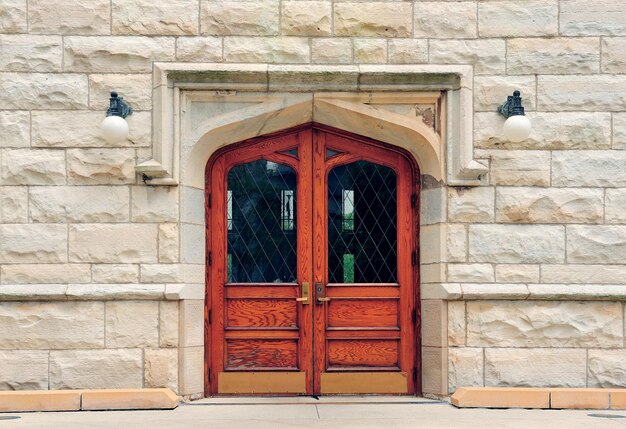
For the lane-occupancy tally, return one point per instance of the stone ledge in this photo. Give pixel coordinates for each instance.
(99, 292)
(530, 397)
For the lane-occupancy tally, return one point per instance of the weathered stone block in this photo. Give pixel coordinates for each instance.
(43, 91)
(433, 318)
(589, 168)
(13, 204)
(310, 19)
(607, 368)
(517, 273)
(115, 273)
(240, 18)
(118, 54)
(172, 273)
(433, 206)
(408, 51)
(161, 368)
(544, 324)
(553, 56)
(583, 274)
(613, 55)
(13, 17)
(596, 244)
(266, 49)
(487, 56)
(456, 243)
(192, 244)
(435, 370)
(373, 19)
(465, 367)
(135, 88)
(168, 242)
(471, 204)
(436, 20)
(154, 204)
(207, 49)
(619, 130)
(456, 323)
(598, 18)
(518, 167)
(370, 51)
(24, 370)
(14, 129)
(549, 205)
(155, 18)
(51, 325)
(615, 208)
(111, 243)
(79, 204)
(490, 91)
(30, 53)
(331, 50)
(470, 273)
(191, 362)
(192, 321)
(531, 18)
(45, 273)
(168, 324)
(132, 324)
(32, 243)
(69, 16)
(32, 167)
(549, 368)
(581, 92)
(101, 166)
(516, 243)
(96, 369)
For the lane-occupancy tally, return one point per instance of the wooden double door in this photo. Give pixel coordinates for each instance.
(312, 267)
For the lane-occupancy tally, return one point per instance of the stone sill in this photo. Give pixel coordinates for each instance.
(522, 291)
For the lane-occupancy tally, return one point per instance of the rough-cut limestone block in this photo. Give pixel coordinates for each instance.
(471, 204)
(456, 243)
(172, 273)
(32, 167)
(45, 273)
(370, 51)
(13, 204)
(472, 273)
(613, 55)
(607, 368)
(266, 49)
(615, 208)
(13, 17)
(331, 50)
(192, 245)
(30, 243)
(117, 54)
(519, 167)
(113, 243)
(619, 130)
(96, 369)
(202, 49)
(23, 370)
(597, 18)
(441, 20)
(518, 19)
(14, 129)
(433, 206)
(549, 205)
(563, 130)
(544, 324)
(134, 88)
(43, 91)
(516, 243)
(101, 166)
(168, 242)
(487, 56)
(583, 274)
(547, 367)
(53, 204)
(491, 91)
(168, 324)
(517, 273)
(310, 19)
(191, 362)
(589, 168)
(408, 51)
(160, 18)
(30, 53)
(580, 92)
(373, 19)
(243, 18)
(456, 323)
(161, 368)
(465, 367)
(193, 208)
(553, 56)
(51, 325)
(132, 324)
(596, 244)
(154, 203)
(69, 16)
(115, 273)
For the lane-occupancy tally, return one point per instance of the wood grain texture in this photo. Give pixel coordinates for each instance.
(261, 354)
(261, 313)
(363, 313)
(362, 353)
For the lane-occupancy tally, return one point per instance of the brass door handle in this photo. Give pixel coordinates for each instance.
(306, 294)
(319, 292)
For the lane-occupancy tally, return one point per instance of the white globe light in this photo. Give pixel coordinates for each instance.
(114, 129)
(516, 128)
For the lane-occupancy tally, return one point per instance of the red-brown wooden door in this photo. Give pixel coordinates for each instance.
(312, 279)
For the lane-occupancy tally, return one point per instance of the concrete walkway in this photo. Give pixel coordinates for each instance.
(329, 412)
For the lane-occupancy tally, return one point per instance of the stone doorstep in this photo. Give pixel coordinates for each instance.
(530, 397)
(92, 400)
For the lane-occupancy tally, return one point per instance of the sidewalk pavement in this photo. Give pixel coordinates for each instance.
(327, 412)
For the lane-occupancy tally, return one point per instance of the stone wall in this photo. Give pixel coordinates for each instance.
(116, 267)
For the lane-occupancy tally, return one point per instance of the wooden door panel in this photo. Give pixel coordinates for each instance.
(360, 312)
(261, 354)
(363, 353)
(261, 313)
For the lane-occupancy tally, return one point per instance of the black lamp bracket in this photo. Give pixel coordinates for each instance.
(512, 106)
(118, 107)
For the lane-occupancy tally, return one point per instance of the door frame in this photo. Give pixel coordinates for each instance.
(415, 182)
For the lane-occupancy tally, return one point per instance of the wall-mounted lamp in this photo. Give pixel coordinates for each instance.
(114, 127)
(517, 126)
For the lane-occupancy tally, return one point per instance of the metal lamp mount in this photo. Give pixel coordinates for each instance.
(512, 106)
(118, 107)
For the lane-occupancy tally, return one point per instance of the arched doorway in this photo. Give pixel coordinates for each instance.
(312, 275)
